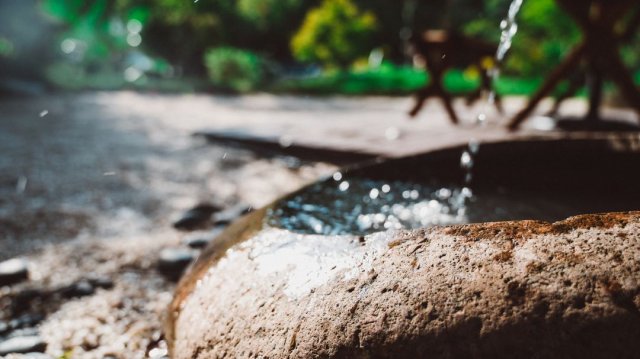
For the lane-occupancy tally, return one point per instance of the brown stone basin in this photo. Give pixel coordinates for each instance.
(509, 289)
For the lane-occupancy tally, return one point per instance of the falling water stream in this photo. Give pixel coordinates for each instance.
(509, 29)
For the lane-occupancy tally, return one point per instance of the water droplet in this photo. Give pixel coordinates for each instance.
(482, 118)
(444, 193)
(44, 113)
(386, 188)
(468, 177)
(543, 123)
(466, 161)
(134, 39)
(392, 133)
(337, 176)
(68, 46)
(21, 185)
(285, 141)
(343, 186)
(131, 74)
(374, 193)
(134, 26)
(474, 146)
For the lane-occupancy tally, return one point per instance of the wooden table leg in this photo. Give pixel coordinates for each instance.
(624, 79)
(595, 84)
(448, 104)
(421, 96)
(550, 83)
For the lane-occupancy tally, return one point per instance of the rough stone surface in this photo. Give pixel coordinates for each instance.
(499, 290)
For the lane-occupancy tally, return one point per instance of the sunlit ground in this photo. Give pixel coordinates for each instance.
(90, 184)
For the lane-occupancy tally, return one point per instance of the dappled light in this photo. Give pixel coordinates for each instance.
(194, 179)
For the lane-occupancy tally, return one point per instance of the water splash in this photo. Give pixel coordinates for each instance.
(362, 206)
(21, 184)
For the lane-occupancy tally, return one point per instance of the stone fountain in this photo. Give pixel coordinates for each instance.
(418, 257)
(522, 287)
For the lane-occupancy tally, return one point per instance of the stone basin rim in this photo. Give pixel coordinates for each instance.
(248, 225)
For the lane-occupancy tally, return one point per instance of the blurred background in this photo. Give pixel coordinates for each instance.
(280, 46)
(117, 120)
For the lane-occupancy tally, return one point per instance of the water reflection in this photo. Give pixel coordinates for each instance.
(361, 206)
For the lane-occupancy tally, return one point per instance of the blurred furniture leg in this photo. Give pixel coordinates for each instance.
(599, 49)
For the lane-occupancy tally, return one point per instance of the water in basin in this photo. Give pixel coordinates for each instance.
(514, 182)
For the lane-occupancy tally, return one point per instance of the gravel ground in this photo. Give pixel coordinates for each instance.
(90, 185)
(88, 191)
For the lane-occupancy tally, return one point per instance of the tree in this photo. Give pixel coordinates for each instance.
(334, 34)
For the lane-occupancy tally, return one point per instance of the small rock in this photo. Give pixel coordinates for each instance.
(22, 345)
(37, 356)
(26, 321)
(25, 332)
(101, 282)
(196, 217)
(13, 271)
(202, 239)
(173, 262)
(197, 242)
(229, 215)
(80, 289)
(24, 298)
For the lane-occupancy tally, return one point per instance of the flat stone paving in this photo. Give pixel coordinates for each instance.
(372, 126)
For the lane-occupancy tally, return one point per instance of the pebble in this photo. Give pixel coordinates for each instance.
(36, 356)
(25, 321)
(197, 242)
(24, 298)
(196, 217)
(101, 282)
(13, 271)
(229, 215)
(202, 239)
(80, 289)
(174, 261)
(23, 345)
(25, 332)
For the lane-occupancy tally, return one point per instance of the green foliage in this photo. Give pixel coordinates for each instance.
(267, 14)
(234, 69)
(545, 35)
(390, 79)
(334, 34)
(6, 47)
(331, 33)
(384, 80)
